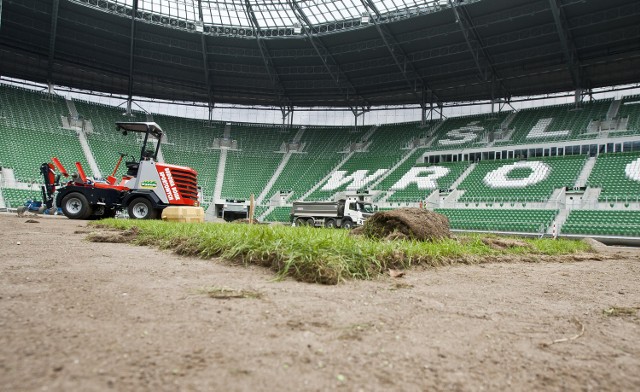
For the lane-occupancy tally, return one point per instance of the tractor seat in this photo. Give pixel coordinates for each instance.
(132, 168)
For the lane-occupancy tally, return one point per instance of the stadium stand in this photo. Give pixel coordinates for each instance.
(505, 220)
(319, 156)
(104, 117)
(28, 109)
(555, 123)
(24, 150)
(411, 192)
(187, 134)
(468, 131)
(630, 109)
(279, 214)
(599, 222)
(618, 176)
(380, 152)
(392, 178)
(248, 170)
(526, 181)
(248, 173)
(14, 198)
(259, 138)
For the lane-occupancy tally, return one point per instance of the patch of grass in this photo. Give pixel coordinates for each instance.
(616, 311)
(227, 293)
(324, 255)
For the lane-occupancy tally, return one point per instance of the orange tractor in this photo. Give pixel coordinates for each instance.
(147, 188)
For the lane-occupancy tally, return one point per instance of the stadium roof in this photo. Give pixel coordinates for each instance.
(340, 53)
(268, 13)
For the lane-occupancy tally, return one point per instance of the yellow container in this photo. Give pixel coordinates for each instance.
(183, 214)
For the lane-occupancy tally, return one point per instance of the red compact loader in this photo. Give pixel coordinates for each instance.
(146, 189)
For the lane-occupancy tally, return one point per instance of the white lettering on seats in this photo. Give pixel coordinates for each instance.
(462, 135)
(416, 176)
(540, 130)
(632, 170)
(356, 180)
(499, 178)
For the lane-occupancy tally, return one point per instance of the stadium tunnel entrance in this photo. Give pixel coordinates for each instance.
(232, 210)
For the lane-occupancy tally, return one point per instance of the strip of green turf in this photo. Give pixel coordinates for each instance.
(325, 255)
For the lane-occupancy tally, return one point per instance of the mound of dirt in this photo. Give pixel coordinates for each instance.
(407, 223)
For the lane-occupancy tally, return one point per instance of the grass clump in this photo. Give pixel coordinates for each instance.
(618, 311)
(324, 255)
(227, 293)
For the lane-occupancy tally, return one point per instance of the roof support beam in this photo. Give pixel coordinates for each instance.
(465, 32)
(470, 34)
(52, 37)
(205, 60)
(132, 45)
(326, 57)
(404, 64)
(570, 52)
(278, 88)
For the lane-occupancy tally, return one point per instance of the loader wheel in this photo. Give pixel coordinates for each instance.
(76, 206)
(141, 208)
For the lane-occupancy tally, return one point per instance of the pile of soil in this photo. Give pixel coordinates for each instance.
(407, 223)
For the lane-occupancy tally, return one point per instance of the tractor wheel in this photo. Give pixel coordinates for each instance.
(347, 224)
(76, 206)
(141, 208)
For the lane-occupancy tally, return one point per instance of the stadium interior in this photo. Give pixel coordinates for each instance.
(569, 169)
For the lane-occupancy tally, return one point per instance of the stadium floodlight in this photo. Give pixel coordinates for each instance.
(297, 29)
(199, 26)
(364, 19)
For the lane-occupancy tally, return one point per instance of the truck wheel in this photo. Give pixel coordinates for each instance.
(311, 222)
(76, 206)
(301, 222)
(347, 224)
(141, 208)
(330, 224)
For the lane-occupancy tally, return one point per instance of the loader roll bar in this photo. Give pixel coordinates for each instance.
(148, 128)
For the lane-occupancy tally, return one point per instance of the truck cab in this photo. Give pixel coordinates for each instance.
(358, 210)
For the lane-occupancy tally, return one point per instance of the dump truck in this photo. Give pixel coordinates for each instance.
(346, 211)
(147, 188)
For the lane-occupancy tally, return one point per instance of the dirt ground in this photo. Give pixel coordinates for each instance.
(81, 316)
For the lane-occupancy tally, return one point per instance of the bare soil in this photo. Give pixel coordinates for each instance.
(83, 316)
